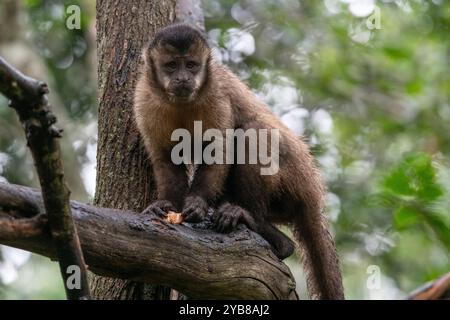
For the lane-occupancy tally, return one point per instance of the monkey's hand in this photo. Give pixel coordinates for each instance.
(159, 208)
(195, 209)
(228, 216)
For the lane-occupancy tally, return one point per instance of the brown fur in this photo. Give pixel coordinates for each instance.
(294, 196)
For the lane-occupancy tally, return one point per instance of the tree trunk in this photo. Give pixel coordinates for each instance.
(124, 178)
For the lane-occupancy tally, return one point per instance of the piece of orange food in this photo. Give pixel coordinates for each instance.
(174, 217)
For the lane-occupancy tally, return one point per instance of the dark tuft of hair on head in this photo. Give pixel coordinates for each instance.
(179, 36)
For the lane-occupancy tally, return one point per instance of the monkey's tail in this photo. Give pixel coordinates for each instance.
(318, 255)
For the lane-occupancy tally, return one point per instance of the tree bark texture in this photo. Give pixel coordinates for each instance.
(124, 178)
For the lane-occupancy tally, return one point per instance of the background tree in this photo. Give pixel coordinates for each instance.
(124, 178)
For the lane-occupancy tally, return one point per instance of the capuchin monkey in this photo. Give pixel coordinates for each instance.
(180, 83)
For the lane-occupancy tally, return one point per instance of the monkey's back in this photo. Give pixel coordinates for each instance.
(297, 173)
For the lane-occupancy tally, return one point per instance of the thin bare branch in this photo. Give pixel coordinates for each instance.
(29, 98)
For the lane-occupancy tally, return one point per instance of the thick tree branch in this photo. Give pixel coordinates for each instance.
(192, 259)
(28, 97)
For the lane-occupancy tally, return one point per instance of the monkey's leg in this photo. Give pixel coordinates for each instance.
(249, 199)
(282, 246)
(228, 216)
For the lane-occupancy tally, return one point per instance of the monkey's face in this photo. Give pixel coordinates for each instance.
(181, 76)
(178, 57)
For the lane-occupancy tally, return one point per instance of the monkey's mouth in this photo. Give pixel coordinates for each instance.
(182, 92)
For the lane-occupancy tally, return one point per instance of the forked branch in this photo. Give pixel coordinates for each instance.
(29, 98)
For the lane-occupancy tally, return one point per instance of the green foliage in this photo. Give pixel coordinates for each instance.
(413, 192)
(66, 52)
(387, 91)
(414, 177)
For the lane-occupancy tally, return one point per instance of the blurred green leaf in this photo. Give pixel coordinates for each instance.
(32, 3)
(405, 217)
(397, 52)
(440, 227)
(415, 176)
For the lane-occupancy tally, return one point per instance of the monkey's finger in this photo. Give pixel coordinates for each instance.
(226, 224)
(201, 214)
(187, 210)
(229, 227)
(214, 219)
(216, 224)
(231, 223)
(168, 207)
(225, 207)
(219, 216)
(223, 223)
(219, 225)
(215, 216)
(159, 212)
(234, 223)
(187, 216)
(249, 221)
(194, 215)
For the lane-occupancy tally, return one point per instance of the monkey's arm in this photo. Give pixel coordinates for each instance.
(208, 181)
(171, 179)
(205, 190)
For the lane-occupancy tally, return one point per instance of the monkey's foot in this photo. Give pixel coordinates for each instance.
(159, 208)
(283, 249)
(281, 244)
(228, 216)
(195, 209)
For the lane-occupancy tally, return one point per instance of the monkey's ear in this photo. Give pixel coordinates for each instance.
(146, 58)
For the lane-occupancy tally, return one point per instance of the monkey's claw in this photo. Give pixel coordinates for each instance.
(159, 208)
(195, 209)
(228, 216)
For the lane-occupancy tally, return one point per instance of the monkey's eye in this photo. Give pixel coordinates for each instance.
(191, 64)
(171, 66)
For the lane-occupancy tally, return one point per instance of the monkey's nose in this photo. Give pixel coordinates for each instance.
(182, 81)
